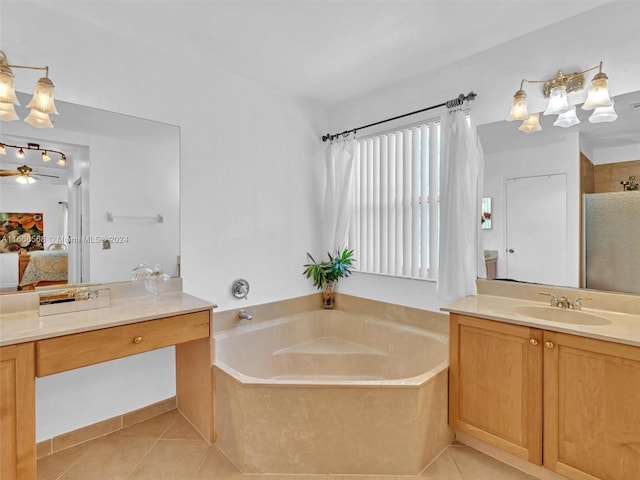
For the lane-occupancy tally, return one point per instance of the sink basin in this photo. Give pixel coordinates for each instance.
(555, 314)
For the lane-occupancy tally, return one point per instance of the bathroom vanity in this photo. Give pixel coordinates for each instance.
(561, 392)
(32, 346)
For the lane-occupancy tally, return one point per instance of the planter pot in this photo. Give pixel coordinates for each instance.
(328, 295)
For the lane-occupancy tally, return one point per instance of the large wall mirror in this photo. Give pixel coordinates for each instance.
(113, 205)
(562, 214)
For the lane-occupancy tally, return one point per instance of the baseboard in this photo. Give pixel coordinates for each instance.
(102, 428)
(536, 471)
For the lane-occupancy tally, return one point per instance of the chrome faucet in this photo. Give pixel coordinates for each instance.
(564, 302)
(577, 303)
(554, 299)
(244, 315)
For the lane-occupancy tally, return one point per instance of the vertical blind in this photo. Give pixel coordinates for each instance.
(394, 227)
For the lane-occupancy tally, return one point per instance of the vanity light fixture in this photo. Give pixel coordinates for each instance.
(34, 146)
(556, 90)
(41, 104)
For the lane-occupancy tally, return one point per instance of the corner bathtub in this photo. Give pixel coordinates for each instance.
(330, 392)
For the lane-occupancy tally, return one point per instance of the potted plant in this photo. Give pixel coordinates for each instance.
(325, 274)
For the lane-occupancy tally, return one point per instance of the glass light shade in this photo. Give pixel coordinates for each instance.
(20, 153)
(22, 179)
(43, 97)
(3, 150)
(598, 93)
(45, 157)
(567, 119)
(63, 161)
(7, 112)
(531, 124)
(38, 119)
(557, 101)
(519, 106)
(603, 114)
(7, 90)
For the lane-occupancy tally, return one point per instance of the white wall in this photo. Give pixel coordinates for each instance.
(625, 153)
(555, 157)
(495, 75)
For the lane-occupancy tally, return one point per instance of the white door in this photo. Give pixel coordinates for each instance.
(537, 229)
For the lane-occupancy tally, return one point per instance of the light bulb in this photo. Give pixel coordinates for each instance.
(7, 90)
(42, 100)
(7, 112)
(603, 114)
(38, 119)
(519, 106)
(598, 93)
(567, 119)
(557, 101)
(531, 124)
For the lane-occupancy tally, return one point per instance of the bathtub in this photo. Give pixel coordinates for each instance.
(330, 392)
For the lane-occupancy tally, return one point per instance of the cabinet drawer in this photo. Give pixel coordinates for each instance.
(59, 354)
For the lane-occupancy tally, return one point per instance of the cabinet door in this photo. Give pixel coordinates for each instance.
(592, 408)
(17, 412)
(495, 384)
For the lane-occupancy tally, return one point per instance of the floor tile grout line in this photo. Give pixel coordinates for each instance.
(204, 458)
(133, 469)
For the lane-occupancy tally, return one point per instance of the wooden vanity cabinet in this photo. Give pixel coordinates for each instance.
(22, 362)
(591, 408)
(502, 375)
(495, 384)
(17, 404)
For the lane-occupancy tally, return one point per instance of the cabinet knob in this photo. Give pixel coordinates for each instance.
(533, 342)
(137, 340)
(548, 344)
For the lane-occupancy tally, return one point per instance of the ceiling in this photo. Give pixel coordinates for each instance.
(322, 50)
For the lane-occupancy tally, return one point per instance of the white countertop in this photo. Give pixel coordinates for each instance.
(624, 327)
(27, 326)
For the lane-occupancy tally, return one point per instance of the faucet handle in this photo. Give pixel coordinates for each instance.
(577, 303)
(554, 299)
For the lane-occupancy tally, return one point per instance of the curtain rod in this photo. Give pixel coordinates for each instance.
(456, 102)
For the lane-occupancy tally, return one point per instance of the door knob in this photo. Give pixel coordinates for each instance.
(510, 250)
(533, 342)
(137, 340)
(549, 345)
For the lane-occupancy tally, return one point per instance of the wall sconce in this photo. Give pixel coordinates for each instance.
(556, 90)
(41, 104)
(62, 161)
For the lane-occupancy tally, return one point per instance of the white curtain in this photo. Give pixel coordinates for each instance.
(340, 158)
(460, 171)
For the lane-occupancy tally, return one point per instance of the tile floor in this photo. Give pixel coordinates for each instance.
(168, 447)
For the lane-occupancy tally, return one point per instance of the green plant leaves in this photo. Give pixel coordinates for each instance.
(338, 266)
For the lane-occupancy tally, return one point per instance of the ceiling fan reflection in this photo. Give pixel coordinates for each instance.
(24, 174)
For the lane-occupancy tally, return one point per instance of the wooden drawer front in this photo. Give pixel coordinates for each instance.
(60, 354)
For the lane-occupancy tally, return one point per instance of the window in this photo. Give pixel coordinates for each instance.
(395, 217)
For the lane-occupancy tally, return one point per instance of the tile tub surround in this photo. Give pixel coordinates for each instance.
(330, 392)
(426, 319)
